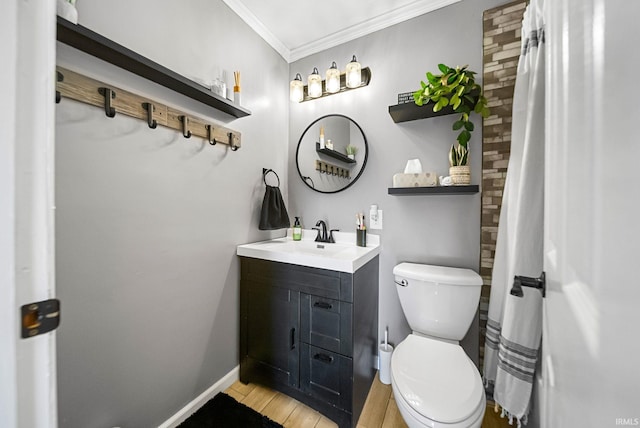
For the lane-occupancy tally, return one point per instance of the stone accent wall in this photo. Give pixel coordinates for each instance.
(501, 51)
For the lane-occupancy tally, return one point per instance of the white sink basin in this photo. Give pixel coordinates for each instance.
(343, 256)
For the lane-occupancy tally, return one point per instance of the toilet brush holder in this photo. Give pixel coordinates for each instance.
(384, 355)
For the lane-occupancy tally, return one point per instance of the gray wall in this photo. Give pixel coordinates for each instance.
(147, 222)
(426, 229)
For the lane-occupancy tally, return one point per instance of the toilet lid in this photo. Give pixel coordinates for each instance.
(436, 379)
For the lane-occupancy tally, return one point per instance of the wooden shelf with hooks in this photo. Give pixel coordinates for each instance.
(330, 169)
(116, 101)
(83, 39)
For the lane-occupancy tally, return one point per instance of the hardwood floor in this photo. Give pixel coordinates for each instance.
(380, 410)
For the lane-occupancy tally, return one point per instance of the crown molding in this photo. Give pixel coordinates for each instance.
(380, 22)
(367, 27)
(256, 25)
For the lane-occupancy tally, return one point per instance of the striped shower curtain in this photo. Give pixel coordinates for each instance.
(514, 324)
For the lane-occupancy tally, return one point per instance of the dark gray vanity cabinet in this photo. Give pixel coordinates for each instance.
(310, 333)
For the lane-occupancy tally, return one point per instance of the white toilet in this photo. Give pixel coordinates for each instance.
(434, 382)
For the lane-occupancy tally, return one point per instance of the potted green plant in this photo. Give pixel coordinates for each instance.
(351, 151)
(455, 87)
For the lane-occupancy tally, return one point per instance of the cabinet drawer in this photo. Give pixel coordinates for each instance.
(319, 282)
(326, 375)
(326, 323)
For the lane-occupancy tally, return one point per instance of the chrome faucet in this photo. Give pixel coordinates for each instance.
(322, 233)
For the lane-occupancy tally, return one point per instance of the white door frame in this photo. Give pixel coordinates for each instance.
(27, 85)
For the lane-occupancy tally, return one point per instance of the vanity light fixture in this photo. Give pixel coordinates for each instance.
(332, 81)
(355, 76)
(315, 84)
(296, 89)
(354, 73)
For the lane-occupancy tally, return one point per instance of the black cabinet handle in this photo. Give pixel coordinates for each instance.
(293, 338)
(328, 359)
(323, 305)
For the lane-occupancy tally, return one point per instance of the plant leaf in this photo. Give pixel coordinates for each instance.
(463, 138)
(453, 156)
(464, 159)
(468, 126)
(443, 68)
(457, 125)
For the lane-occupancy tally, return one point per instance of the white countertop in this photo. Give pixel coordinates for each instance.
(343, 256)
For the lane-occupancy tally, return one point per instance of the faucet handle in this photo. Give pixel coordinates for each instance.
(318, 237)
(331, 240)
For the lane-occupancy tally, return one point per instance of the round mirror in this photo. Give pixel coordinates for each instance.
(332, 153)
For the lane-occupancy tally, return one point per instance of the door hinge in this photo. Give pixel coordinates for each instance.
(40, 317)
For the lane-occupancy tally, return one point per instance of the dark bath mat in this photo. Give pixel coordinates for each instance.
(222, 411)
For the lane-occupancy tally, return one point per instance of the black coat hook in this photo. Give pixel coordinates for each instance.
(185, 126)
(60, 78)
(150, 120)
(231, 142)
(212, 140)
(108, 95)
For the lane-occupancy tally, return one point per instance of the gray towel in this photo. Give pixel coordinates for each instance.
(274, 213)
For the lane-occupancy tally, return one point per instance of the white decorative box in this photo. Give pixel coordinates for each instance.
(423, 179)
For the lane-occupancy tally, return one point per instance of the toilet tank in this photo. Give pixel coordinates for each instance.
(438, 301)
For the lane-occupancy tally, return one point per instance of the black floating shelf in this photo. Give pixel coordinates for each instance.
(438, 190)
(83, 39)
(410, 111)
(334, 154)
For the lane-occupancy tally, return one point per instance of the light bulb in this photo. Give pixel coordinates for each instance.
(332, 81)
(354, 74)
(296, 89)
(314, 84)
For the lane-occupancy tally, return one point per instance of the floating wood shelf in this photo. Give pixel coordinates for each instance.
(438, 190)
(334, 154)
(82, 38)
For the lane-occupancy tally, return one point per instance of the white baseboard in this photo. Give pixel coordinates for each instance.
(225, 382)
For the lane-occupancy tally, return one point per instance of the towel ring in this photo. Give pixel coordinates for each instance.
(266, 171)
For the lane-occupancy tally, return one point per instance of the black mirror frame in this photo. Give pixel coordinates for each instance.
(364, 162)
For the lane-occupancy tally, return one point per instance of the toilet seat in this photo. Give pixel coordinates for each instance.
(436, 384)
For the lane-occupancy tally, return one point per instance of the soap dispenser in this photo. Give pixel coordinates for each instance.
(297, 230)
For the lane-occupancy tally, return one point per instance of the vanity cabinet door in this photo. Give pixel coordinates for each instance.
(270, 333)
